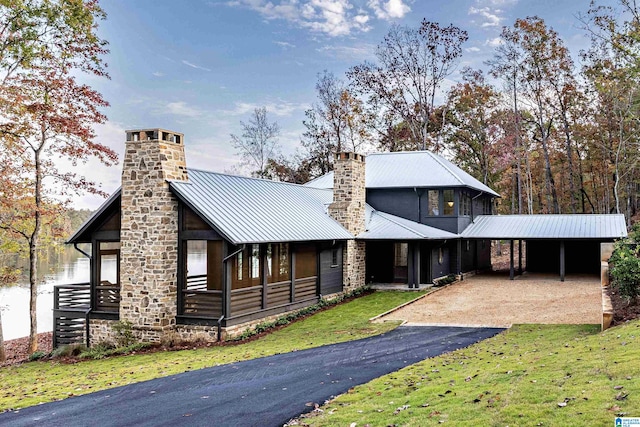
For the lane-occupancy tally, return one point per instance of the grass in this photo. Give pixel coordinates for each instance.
(31, 383)
(522, 377)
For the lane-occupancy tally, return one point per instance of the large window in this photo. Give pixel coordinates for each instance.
(487, 206)
(246, 268)
(449, 202)
(278, 263)
(107, 290)
(434, 202)
(204, 265)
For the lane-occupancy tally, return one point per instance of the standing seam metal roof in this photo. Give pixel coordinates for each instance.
(410, 169)
(249, 210)
(384, 226)
(547, 227)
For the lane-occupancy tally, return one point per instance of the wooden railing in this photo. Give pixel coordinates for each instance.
(305, 288)
(198, 301)
(246, 300)
(71, 305)
(278, 293)
(107, 297)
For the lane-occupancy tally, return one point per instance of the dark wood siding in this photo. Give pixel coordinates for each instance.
(330, 273)
(438, 268)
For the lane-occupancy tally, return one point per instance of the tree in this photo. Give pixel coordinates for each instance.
(412, 64)
(472, 130)
(258, 142)
(47, 114)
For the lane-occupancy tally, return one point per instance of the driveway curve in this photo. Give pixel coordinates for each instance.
(261, 392)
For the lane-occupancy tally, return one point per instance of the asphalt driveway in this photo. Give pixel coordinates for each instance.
(261, 392)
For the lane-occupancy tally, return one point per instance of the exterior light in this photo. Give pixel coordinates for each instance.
(450, 204)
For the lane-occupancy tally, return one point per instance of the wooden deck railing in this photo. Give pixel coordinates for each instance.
(198, 301)
(71, 305)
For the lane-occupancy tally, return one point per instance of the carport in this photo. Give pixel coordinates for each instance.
(557, 244)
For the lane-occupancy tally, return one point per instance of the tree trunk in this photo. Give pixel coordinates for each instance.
(551, 185)
(3, 355)
(33, 255)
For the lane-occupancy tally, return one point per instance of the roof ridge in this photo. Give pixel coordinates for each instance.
(247, 178)
(439, 159)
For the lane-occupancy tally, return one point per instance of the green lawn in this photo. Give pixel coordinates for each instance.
(523, 377)
(36, 382)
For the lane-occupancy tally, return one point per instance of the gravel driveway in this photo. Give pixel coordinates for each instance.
(494, 300)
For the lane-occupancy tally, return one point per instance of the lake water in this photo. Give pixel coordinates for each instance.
(67, 267)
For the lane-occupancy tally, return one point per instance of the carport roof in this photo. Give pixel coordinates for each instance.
(600, 227)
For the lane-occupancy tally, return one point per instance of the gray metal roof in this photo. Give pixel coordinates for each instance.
(384, 226)
(547, 227)
(248, 210)
(410, 169)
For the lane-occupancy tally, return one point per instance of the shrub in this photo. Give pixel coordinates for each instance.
(123, 330)
(69, 350)
(38, 355)
(625, 270)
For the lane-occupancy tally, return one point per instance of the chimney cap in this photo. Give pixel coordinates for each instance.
(154, 134)
(349, 155)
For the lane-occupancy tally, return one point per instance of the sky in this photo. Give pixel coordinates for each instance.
(200, 67)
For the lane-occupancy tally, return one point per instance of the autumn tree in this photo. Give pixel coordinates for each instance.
(412, 64)
(472, 131)
(258, 142)
(46, 115)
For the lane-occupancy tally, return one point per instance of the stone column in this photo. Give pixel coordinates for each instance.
(149, 233)
(348, 208)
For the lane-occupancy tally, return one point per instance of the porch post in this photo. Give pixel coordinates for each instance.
(410, 265)
(459, 257)
(416, 264)
(520, 256)
(562, 264)
(511, 272)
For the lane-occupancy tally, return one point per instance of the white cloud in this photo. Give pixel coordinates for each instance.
(330, 17)
(285, 45)
(192, 65)
(158, 74)
(489, 17)
(473, 49)
(180, 108)
(494, 42)
(390, 9)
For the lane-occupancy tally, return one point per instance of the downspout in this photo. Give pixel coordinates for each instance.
(224, 263)
(86, 314)
(419, 194)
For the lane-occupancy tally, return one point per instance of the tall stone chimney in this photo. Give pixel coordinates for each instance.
(149, 232)
(348, 208)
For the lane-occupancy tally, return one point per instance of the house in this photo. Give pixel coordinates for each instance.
(270, 247)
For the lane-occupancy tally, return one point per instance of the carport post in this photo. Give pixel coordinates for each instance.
(511, 274)
(562, 260)
(520, 256)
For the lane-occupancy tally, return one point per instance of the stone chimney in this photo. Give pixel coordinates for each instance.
(149, 232)
(348, 208)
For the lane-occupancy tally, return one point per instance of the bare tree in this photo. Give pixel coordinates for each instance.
(258, 142)
(412, 64)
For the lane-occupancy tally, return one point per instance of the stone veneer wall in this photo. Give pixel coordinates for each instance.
(348, 208)
(149, 233)
(100, 332)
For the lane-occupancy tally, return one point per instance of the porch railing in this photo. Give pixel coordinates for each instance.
(71, 304)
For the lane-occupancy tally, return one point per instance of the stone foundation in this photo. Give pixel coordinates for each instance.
(100, 332)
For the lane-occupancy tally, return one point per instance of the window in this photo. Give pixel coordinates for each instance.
(255, 264)
(109, 264)
(487, 206)
(465, 204)
(440, 256)
(433, 197)
(204, 265)
(277, 262)
(449, 203)
(246, 268)
(401, 252)
(334, 258)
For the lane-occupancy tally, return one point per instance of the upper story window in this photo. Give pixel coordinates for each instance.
(433, 197)
(448, 202)
(487, 206)
(465, 203)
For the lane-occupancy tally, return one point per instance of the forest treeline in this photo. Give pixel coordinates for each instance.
(552, 131)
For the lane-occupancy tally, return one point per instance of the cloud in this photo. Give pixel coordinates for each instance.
(389, 10)
(158, 74)
(285, 45)
(494, 42)
(358, 52)
(192, 65)
(180, 109)
(473, 49)
(330, 17)
(489, 17)
(280, 108)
